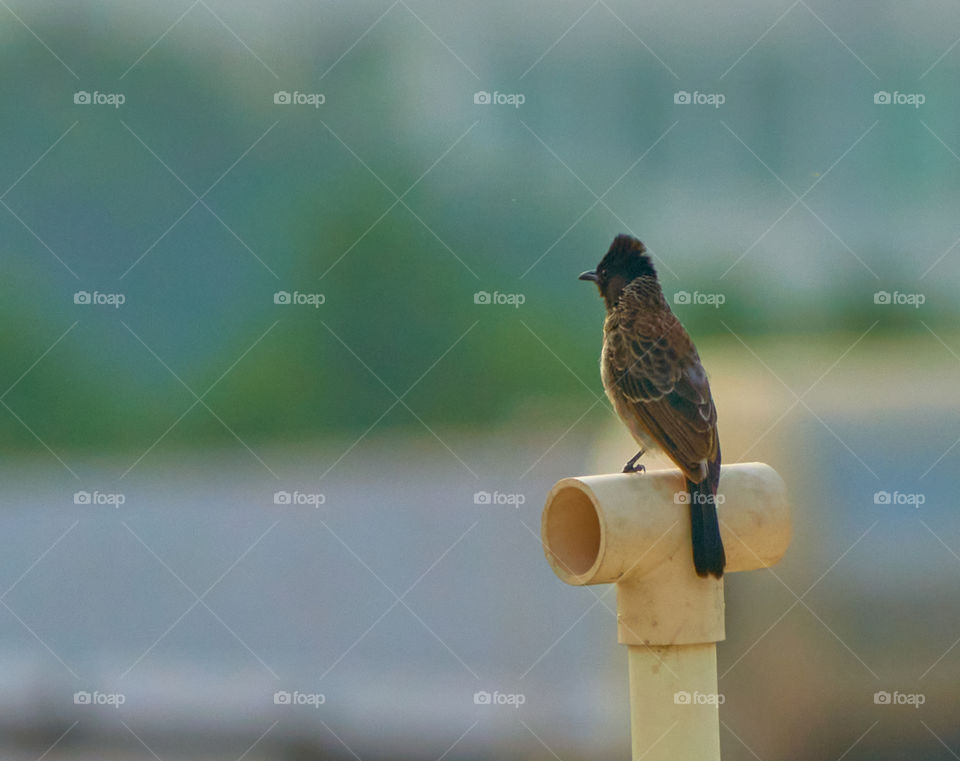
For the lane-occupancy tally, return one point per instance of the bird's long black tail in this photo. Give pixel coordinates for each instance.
(708, 554)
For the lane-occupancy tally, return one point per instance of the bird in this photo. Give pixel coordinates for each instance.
(653, 376)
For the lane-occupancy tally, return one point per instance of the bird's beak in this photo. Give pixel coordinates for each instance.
(589, 275)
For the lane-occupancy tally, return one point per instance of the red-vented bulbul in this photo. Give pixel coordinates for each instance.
(652, 373)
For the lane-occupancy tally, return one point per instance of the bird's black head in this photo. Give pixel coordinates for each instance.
(624, 262)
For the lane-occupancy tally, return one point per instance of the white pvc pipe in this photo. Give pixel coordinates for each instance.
(634, 530)
(664, 726)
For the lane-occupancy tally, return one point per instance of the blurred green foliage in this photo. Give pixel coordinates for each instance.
(299, 213)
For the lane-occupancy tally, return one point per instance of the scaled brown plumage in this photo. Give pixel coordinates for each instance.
(653, 376)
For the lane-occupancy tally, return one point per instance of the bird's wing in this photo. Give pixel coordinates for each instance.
(657, 371)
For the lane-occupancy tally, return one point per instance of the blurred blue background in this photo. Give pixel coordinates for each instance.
(215, 299)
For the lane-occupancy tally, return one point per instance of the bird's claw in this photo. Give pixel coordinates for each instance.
(632, 465)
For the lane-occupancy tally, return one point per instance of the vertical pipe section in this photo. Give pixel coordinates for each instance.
(674, 703)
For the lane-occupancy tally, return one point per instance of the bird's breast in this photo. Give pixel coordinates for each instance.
(623, 408)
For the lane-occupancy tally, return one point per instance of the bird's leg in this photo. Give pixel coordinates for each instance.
(632, 466)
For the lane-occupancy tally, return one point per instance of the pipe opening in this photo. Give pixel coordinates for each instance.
(573, 531)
